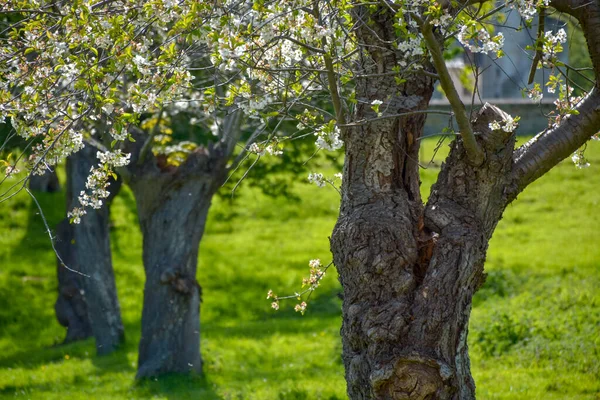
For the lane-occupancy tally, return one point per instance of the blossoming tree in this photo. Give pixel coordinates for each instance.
(358, 74)
(173, 182)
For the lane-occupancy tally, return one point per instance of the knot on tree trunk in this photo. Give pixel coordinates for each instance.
(180, 282)
(491, 140)
(413, 378)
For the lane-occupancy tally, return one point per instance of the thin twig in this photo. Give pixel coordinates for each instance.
(62, 263)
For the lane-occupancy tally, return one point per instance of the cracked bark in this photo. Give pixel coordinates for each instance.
(408, 272)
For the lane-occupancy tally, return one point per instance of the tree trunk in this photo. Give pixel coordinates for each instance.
(88, 251)
(48, 182)
(70, 307)
(172, 207)
(409, 273)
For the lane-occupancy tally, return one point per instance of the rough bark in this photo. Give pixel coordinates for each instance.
(409, 274)
(172, 207)
(85, 247)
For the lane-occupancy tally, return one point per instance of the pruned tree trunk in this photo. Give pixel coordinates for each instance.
(172, 207)
(409, 272)
(86, 248)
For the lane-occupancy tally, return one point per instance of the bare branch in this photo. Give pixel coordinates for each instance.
(474, 151)
(538, 45)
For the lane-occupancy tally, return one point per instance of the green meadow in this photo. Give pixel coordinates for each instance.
(534, 333)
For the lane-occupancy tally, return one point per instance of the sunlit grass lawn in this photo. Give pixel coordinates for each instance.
(535, 328)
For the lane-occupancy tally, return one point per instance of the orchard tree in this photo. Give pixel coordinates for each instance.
(131, 71)
(408, 269)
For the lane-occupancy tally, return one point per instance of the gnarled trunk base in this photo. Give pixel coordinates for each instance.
(172, 221)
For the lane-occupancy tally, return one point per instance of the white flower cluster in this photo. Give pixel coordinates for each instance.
(509, 124)
(49, 153)
(118, 135)
(527, 8)
(142, 65)
(113, 158)
(97, 183)
(480, 41)
(10, 170)
(536, 94)
(270, 149)
(317, 178)
(579, 160)
(301, 308)
(552, 45)
(316, 274)
(252, 104)
(559, 37)
(328, 138)
(411, 47)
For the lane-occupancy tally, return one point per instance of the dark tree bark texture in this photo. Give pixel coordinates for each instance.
(409, 273)
(70, 307)
(173, 204)
(48, 182)
(408, 270)
(85, 247)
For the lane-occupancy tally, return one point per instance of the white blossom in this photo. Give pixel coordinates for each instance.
(328, 138)
(318, 180)
(579, 160)
(508, 124)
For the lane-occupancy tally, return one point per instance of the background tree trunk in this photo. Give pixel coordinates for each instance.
(70, 307)
(87, 247)
(172, 207)
(45, 183)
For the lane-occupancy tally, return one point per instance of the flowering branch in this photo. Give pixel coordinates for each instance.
(317, 272)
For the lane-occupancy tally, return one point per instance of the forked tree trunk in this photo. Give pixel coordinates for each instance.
(172, 207)
(86, 247)
(409, 274)
(409, 271)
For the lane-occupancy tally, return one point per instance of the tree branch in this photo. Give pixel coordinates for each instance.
(474, 151)
(545, 150)
(539, 44)
(331, 76)
(548, 148)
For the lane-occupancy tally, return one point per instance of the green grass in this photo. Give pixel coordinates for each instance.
(535, 327)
